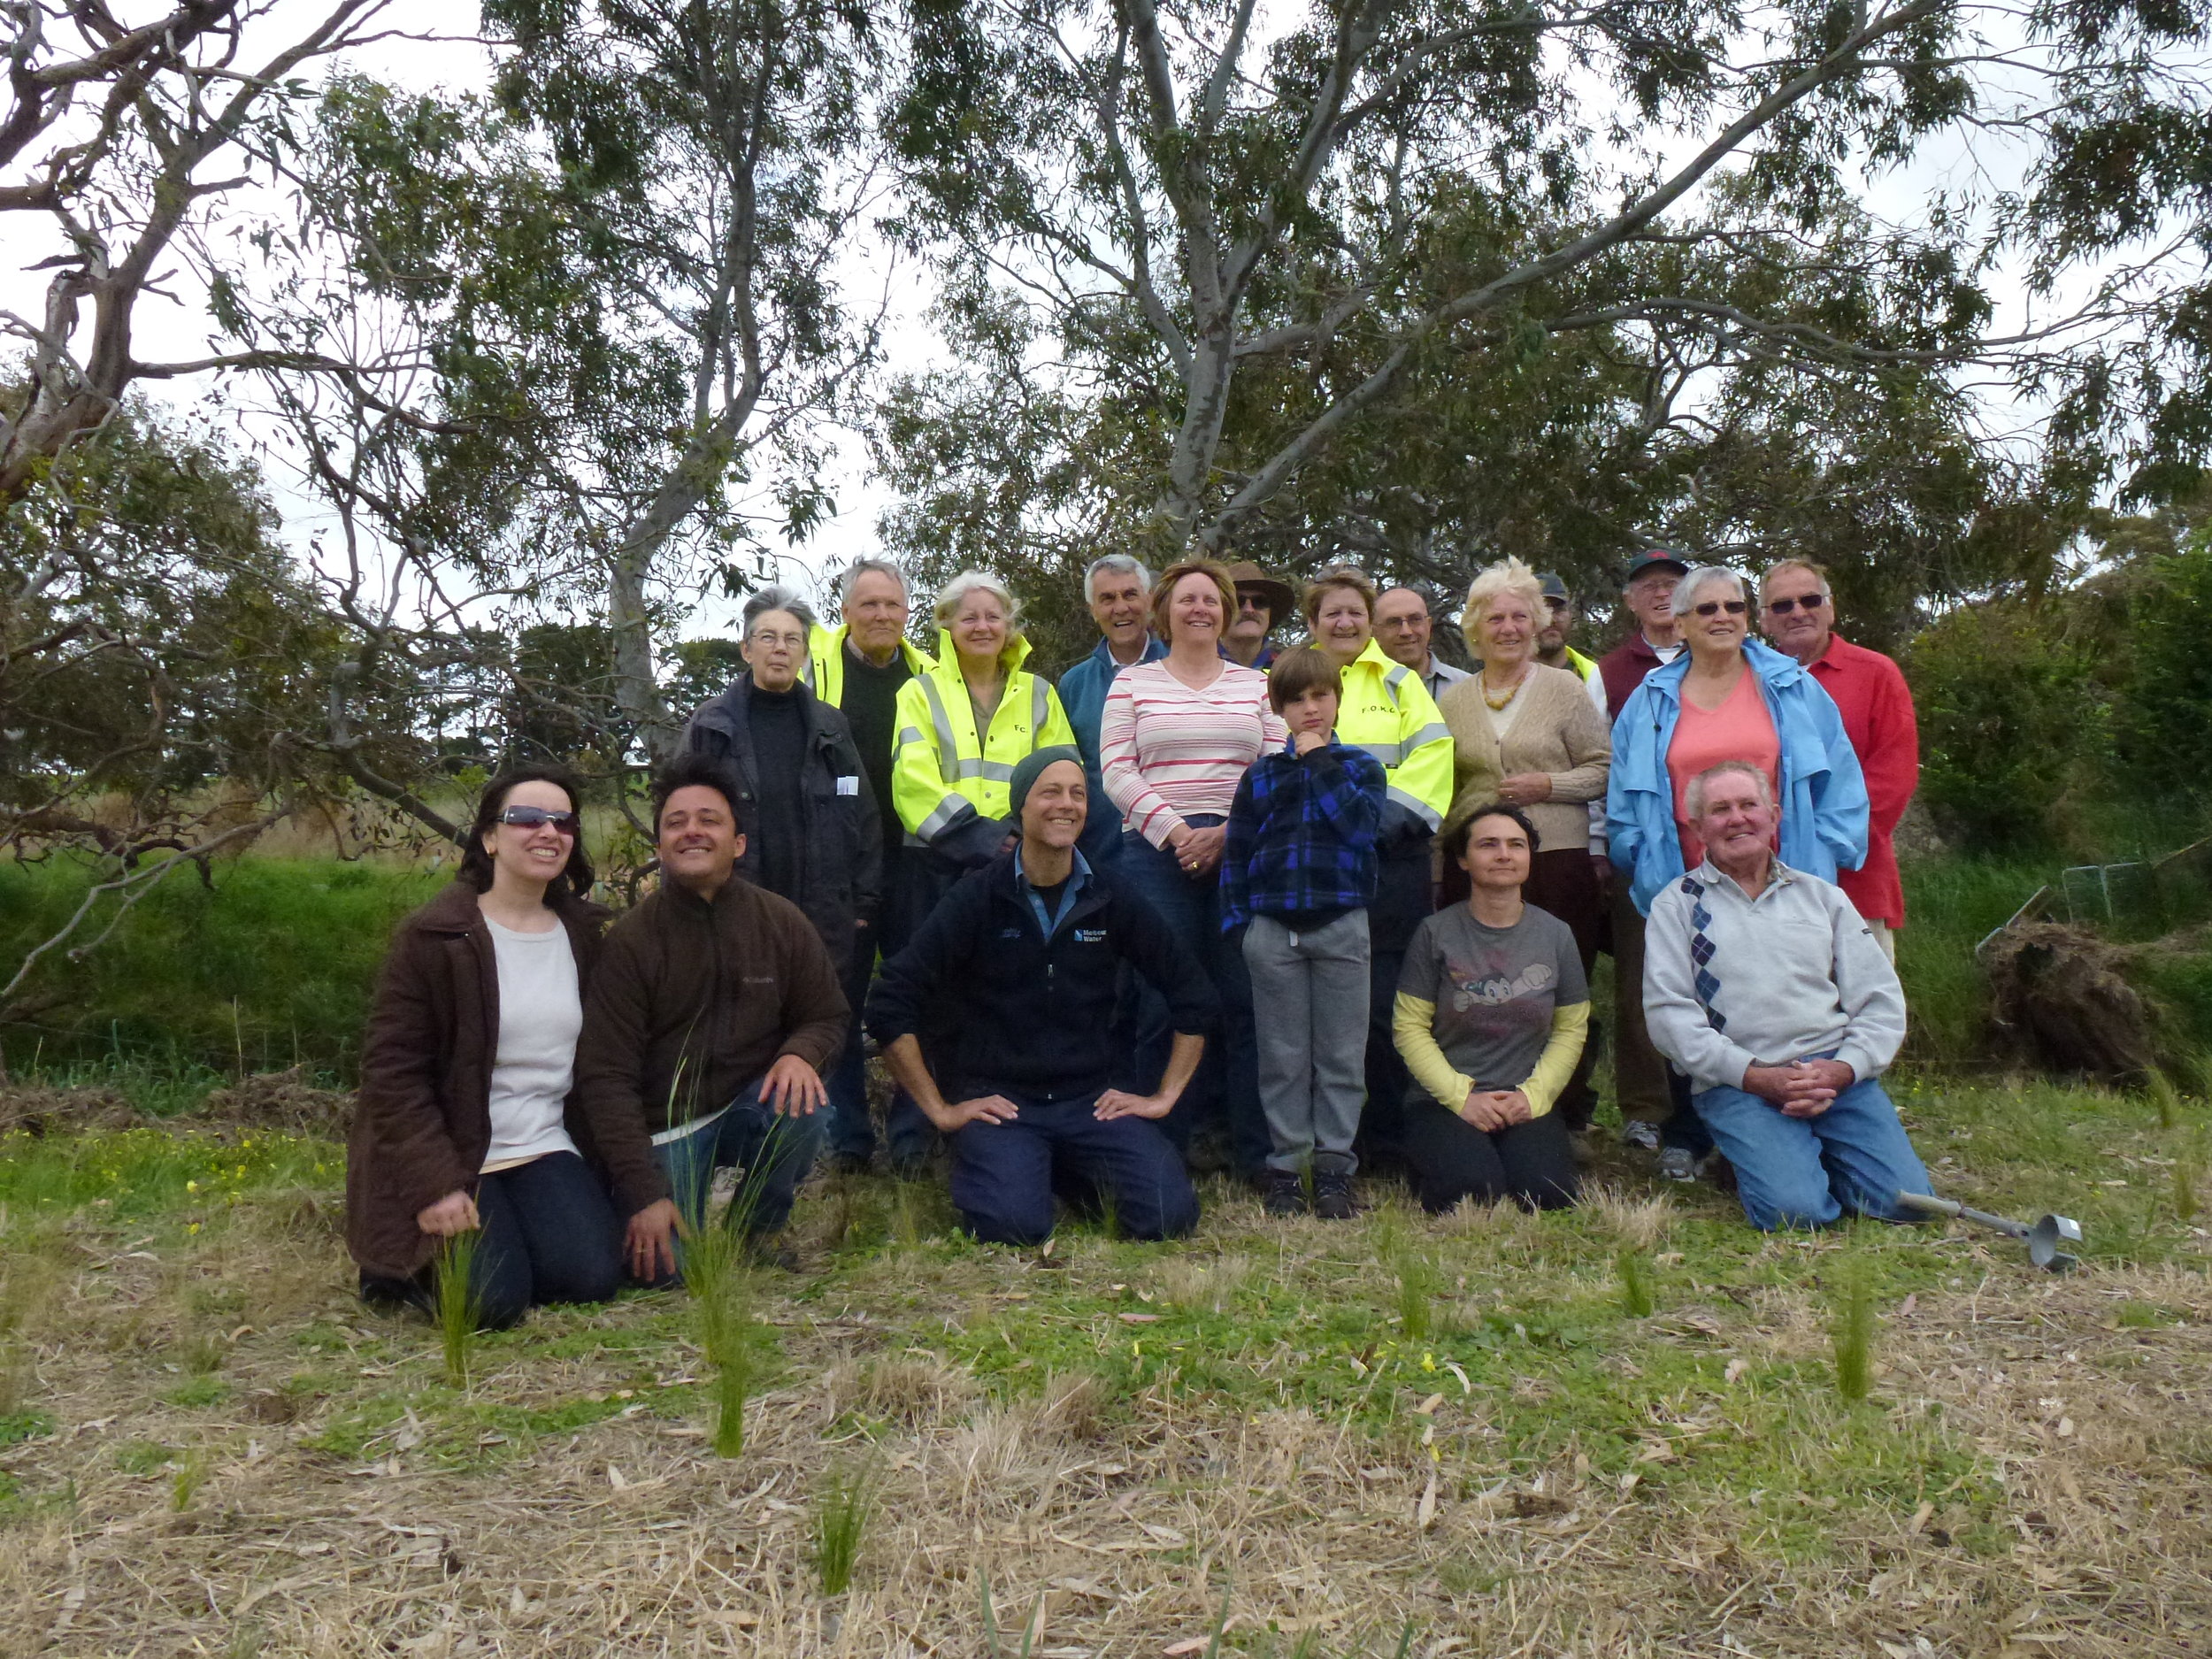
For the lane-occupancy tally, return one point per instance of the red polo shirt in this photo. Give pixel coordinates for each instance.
(1870, 689)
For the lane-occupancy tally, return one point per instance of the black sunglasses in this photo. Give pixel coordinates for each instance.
(1714, 607)
(1783, 607)
(531, 817)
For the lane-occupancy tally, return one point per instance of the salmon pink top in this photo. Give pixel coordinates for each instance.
(1741, 728)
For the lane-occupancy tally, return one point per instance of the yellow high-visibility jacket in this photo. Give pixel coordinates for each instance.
(1387, 711)
(824, 670)
(950, 784)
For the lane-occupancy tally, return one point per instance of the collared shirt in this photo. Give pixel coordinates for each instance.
(1301, 835)
(1876, 704)
(1071, 889)
(1439, 674)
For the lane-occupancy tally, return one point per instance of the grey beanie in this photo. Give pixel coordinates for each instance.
(1029, 768)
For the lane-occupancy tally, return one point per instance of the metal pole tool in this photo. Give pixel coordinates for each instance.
(2043, 1234)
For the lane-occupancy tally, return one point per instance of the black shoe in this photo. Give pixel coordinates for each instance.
(849, 1162)
(1332, 1196)
(771, 1252)
(1283, 1192)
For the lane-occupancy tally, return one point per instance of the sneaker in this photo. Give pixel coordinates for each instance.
(1677, 1163)
(1283, 1192)
(1332, 1196)
(1641, 1133)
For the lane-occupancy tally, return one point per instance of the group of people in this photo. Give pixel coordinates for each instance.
(1292, 910)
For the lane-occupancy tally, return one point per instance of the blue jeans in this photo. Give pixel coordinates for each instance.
(1005, 1176)
(774, 1152)
(1227, 1086)
(1807, 1172)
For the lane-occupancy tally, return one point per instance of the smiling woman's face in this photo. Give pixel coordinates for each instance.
(537, 852)
(979, 627)
(1715, 620)
(1343, 625)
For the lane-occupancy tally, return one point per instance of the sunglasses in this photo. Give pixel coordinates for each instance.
(1783, 607)
(532, 817)
(1714, 607)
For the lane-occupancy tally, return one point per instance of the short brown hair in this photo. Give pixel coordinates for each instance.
(1302, 669)
(1337, 576)
(1163, 590)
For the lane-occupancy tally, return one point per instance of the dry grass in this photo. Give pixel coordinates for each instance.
(1078, 1437)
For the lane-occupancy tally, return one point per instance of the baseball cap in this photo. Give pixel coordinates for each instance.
(1657, 558)
(1549, 585)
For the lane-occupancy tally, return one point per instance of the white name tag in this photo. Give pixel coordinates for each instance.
(848, 785)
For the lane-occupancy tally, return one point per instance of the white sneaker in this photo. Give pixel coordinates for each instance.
(1641, 1133)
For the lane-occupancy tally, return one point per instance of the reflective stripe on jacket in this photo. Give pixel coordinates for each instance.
(824, 673)
(1824, 794)
(1387, 711)
(951, 786)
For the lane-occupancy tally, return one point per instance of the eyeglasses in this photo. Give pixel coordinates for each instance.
(1783, 607)
(532, 817)
(1714, 607)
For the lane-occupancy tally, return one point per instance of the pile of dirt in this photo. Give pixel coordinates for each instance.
(36, 1109)
(290, 1101)
(2060, 1003)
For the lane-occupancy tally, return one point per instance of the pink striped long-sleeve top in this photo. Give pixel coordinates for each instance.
(1167, 750)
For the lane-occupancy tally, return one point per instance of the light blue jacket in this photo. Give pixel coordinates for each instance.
(1824, 794)
(1083, 690)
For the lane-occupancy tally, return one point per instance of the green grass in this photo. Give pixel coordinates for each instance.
(272, 969)
(182, 1177)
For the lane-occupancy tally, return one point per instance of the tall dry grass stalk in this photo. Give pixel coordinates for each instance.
(459, 1308)
(1852, 1335)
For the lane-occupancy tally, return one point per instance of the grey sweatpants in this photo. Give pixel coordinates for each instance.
(1310, 1011)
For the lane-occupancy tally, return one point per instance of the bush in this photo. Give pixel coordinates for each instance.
(2013, 719)
(2160, 722)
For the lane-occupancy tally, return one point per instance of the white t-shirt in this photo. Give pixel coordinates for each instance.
(540, 1017)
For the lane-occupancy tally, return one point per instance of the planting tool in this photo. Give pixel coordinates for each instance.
(2043, 1234)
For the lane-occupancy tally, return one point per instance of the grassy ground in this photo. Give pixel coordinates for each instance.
(1392, 1435)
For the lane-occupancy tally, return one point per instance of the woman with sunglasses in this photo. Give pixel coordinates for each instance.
(462, 1124)
(1728, 697)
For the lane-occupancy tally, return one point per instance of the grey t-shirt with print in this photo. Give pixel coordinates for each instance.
(1495, 989)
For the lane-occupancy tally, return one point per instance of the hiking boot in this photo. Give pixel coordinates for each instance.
(1332, 1196)
(1641, 1133)
(1283, 1192)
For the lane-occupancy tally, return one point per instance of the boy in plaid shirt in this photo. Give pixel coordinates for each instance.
(1298, 865)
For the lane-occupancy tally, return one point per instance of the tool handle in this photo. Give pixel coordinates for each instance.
(1928, 1204)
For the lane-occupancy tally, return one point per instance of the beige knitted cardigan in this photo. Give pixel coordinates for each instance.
(1558, 732)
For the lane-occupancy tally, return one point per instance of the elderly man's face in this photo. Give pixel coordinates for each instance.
(1118, 606)
(1796, 616)
(877, 611)
(1651, 597)
(1052, 812)
(1248, 628)
(1402, 627)
(1736, 822)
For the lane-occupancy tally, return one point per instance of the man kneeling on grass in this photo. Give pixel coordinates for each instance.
(1762, 984)
(1022, 957)
(714, 1009)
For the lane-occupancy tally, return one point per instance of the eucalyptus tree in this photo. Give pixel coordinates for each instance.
(123, 136)
(1345, 197)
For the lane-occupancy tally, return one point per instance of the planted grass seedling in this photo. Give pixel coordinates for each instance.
(185, 1483)
(1636, 1297)
(1852, 1335)
(717, 1266)
(459, 1308)
(2188, 1170)
(841, 1513)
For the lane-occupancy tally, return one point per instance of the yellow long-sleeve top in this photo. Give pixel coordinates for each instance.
(1413, 1023)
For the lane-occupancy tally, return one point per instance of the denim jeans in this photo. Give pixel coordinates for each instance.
(773, 1150)
(1004, 1176)
(549, 1234)
(1227, 1087)
(1807, 1172)
(908, 1135)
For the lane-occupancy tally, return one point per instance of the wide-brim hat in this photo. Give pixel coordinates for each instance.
(1281, 602)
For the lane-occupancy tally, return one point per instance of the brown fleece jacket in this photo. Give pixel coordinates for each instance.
(422, 1120)
(691, 1002)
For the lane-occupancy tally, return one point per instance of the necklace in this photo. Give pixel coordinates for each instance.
(1497, 700)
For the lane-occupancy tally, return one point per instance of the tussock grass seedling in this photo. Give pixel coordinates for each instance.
(1416, 1293)
(1852, 1336)
(714, 1267)
(459, 1308)
(2166, 1098)
(185, 1483)
(841, 1512)
(1636, 1299)
(2188, 1170)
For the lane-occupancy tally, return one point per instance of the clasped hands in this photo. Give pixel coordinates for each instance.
(1198, 850)
(1491, 1109)
(1803, 1088)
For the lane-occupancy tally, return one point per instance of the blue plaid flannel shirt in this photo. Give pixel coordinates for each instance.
(1301, 834)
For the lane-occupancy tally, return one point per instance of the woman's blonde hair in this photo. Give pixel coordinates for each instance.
(959, 587)
(1509, 577)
